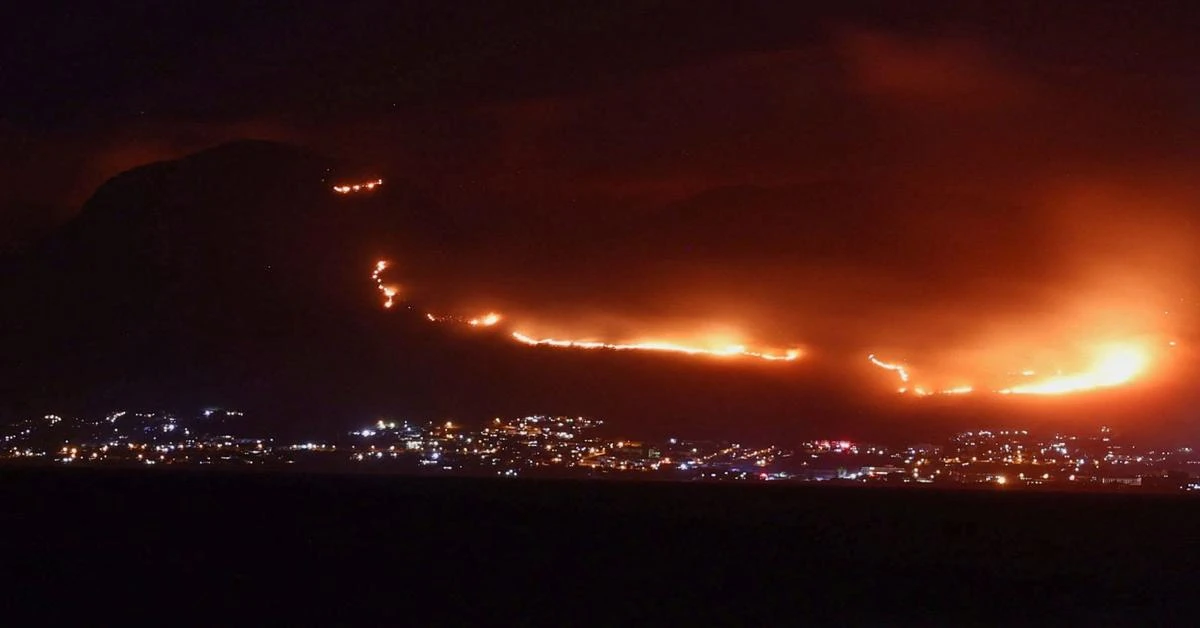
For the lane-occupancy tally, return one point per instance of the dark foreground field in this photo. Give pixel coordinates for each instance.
(171, 547)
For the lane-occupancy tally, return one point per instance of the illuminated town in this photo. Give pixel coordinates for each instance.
(557, 446)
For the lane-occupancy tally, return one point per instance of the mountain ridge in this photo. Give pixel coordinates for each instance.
(236, 277)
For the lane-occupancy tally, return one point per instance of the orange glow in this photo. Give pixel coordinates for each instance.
(1114, 366)
(487, 320)
(919, 391)
(365, 186)
(491, 318)
(898, 368)
(723, 352)
(389, 291)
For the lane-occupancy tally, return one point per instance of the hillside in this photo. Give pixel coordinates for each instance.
(236, 277)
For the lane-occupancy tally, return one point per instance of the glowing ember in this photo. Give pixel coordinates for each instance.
(365, 186)
(491, 318)
(389, 291)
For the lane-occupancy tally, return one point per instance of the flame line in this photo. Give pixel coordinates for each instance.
(898, 368)
(730, 351)
(1118, 365)
(365, 186)
(390, 292)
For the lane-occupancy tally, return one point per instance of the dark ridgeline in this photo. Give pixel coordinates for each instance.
(236, 277)
(231, 276)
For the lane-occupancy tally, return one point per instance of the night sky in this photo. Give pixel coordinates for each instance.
(970, 188)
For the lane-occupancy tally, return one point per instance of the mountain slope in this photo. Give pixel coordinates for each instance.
(235, 277)
(202, 270)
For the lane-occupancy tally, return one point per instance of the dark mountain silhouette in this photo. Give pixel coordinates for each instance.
(24, 223)
(200, 277)
(234, 277)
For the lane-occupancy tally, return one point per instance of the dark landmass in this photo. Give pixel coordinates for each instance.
(235, 277)
(334, 548)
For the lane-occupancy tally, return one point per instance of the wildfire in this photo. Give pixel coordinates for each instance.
(389, 291)
(919, 391)
(1116, 365)
(723, 352)
(365, 186)
(898, 368)
(489, 319)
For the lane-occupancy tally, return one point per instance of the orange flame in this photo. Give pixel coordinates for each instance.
(898, 368)
(725, 352)
(1116, 365)
(491, 318)
(365, 186)
(389, 291)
